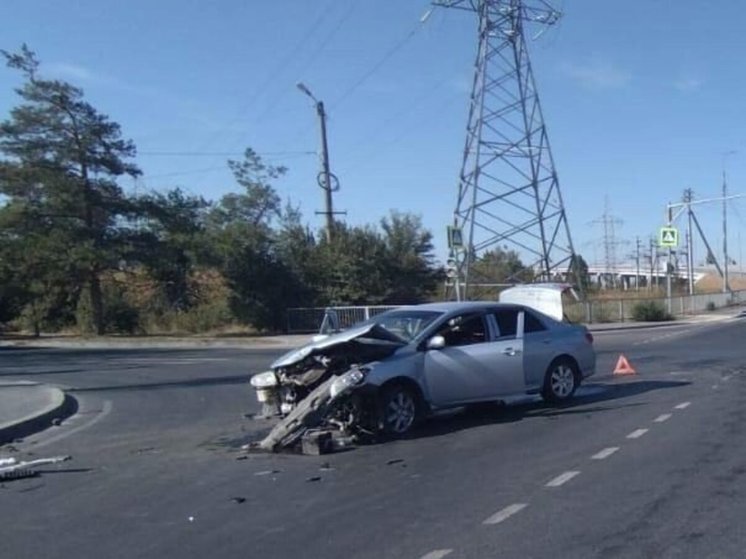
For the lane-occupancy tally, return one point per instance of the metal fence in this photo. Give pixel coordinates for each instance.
(623, 310)
(315, 319)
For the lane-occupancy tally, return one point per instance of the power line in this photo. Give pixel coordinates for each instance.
(182, 173)
(378, 65)
(274, 72)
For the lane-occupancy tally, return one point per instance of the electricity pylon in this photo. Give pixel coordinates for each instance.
(508, 192)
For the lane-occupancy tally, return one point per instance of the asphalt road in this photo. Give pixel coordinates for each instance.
(651, 465)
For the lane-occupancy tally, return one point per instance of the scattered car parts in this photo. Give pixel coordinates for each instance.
(11, 468)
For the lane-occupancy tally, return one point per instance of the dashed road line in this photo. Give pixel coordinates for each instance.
(637, 433)
(682, 406)
(662, 417)
(504, 514)
(562, 479)
(605, 453)
(437, 554)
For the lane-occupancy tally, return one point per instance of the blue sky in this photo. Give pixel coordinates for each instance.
(641, 99)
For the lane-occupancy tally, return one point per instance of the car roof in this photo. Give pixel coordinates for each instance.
(462, 306)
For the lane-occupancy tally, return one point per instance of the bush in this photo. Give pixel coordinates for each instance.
(120, 315)
(650, 311)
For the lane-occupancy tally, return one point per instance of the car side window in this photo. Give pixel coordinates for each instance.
(464, 330)
(531, 323)
(507, 323)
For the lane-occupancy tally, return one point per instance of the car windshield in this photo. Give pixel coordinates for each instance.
(407, 324)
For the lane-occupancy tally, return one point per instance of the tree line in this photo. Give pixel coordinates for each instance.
(79, 253)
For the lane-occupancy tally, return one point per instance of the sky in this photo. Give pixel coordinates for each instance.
(641, 100)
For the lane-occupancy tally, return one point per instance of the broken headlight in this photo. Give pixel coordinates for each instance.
(264, 380)
(346, 381)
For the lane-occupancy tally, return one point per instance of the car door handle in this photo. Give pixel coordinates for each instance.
(511, 352)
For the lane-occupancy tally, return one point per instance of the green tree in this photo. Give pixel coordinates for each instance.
(354, 266)
(176, 224)
(500, 265)
(243, 245)
(410, 260)
(60, 161)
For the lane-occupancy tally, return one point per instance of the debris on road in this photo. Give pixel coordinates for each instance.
(238, 500)
(316, 443)
(314, 478)
(10, 468)
(267, 472)
(394, 461)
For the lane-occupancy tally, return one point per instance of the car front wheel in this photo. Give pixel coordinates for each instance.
(561, 381)
(399, 410)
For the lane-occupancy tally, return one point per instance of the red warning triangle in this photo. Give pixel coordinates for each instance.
(623, 367)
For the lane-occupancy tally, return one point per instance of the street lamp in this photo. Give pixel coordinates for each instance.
(325, 176)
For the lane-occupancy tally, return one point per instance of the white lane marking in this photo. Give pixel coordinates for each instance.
(562, 479)
(105, 410)
(437, 554)
(605, 453)
(683, 406)
(504, 514)
(661, 418)
(637, 434)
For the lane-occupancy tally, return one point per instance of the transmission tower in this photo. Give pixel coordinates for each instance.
(610, 223)
(508, 192)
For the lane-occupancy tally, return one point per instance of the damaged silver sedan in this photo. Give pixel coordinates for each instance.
(384, 375)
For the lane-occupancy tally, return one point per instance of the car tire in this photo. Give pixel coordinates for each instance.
(399, 410)
(560, 381)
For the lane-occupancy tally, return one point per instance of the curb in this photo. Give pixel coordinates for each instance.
(667, 324)
(63, 406)
(663, 324)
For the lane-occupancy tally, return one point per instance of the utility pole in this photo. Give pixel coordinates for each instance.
(688, 196)
(637, 261)
(327, 181)
(653, 262)
(669, 263)
(726, 287)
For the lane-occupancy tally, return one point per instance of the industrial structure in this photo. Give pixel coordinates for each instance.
(508, 193)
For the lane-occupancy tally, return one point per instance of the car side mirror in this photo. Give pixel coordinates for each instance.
(436, 342)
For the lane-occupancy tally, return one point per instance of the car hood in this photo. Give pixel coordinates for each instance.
(369, 335)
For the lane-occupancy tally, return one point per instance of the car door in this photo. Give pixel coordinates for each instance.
(474, 365)
(540, 345)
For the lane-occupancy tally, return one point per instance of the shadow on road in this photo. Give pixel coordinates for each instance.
(590, 399)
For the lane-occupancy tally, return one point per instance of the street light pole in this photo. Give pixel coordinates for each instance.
(325, 177)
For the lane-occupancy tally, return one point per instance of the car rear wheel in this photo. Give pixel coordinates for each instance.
(399, 410)
(561, 381)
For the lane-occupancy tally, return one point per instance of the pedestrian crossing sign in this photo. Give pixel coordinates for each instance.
(669, 237)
